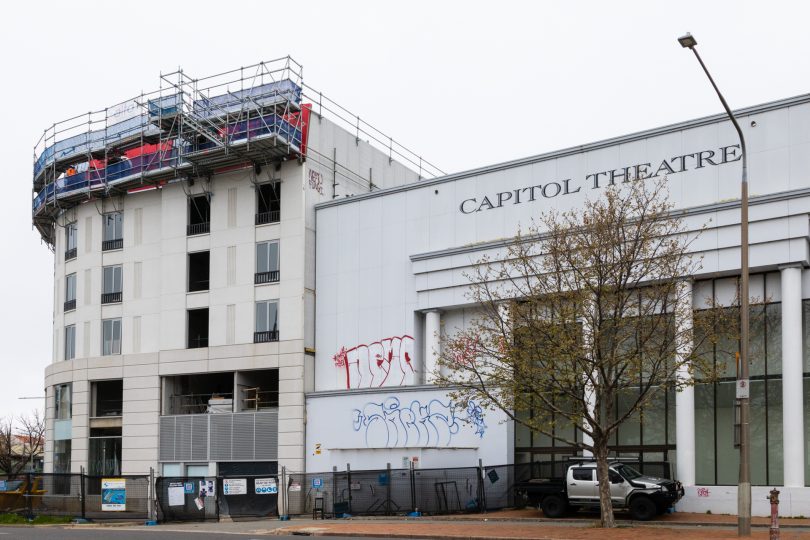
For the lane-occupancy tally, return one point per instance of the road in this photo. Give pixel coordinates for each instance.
(113, 533)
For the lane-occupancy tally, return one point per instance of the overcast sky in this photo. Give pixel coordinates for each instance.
(463, 83)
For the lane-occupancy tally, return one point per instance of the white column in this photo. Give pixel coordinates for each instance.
(685, 399)
(792, 377)
(590, 392)
(433, 328)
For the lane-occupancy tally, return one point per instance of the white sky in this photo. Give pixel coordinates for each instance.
(463, 83)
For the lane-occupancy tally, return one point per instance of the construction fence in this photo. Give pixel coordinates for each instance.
(383, 492)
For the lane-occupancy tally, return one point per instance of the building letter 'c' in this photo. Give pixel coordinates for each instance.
(461, 206)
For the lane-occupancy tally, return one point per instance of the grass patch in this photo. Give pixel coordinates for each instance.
(16, 519)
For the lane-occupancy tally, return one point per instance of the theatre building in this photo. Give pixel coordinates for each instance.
(391, 280)
(182, 225)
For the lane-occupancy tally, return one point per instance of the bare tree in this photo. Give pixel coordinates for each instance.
(22, 439)
(585, 307)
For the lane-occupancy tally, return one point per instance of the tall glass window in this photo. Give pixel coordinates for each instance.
(113, 226)
(266, 322)
(71, 241)
(112, 284)
(70, 342)
(716, 458)
(110, 337)
(70, 292)
(62, 401)
(267, 262)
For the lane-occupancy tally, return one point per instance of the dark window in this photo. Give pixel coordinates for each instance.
(266, 262)
(199, 215)
(266, 322)
(197, 328)
(107, 398)
(583, 474)
(70, 292)
(268, 203)
(198, 271)
(113, 231)
(112, 284)
(71, 235)
(63, 402)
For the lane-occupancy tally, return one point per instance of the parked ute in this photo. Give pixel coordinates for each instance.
(644, 496)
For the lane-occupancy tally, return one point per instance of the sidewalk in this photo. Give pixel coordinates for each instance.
(508, 524)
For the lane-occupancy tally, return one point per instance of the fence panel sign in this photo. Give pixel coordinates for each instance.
(234, 486)
(113, 494)
(265, 486)
(176, 494)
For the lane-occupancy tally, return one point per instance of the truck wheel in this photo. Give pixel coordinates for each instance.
(643, 509)
(554, 506)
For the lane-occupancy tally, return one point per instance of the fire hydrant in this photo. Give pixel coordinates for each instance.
(774, 498)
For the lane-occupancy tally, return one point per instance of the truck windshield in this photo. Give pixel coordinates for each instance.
(628, 472)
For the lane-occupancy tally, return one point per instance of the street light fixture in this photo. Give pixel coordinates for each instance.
(744, 483)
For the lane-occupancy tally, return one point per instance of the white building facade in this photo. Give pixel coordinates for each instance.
(391, 280)
(184, 275)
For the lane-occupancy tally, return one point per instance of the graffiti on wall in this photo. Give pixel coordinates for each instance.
(393, 424)
(387, 362)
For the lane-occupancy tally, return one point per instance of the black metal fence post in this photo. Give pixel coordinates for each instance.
(349, 474)
(83, 492)
(29, 507)
(388, 481)
(413, 489)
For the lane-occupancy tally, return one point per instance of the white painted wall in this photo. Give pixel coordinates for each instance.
(370, 429)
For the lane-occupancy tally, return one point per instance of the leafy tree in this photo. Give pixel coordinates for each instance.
(585, 306)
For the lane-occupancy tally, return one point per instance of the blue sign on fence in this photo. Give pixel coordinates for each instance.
(188, 487)
(317, 483)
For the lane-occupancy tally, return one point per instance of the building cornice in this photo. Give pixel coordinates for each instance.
(605, 143)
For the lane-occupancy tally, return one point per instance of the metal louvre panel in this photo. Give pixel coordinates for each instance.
(199, 438)
(182, 449)
(166, 438)
(221, 433)
(243, 436)
(267, 435)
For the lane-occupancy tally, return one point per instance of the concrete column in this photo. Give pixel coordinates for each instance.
(590, 391)
(792, 377)
(685, 398)
(433, 328)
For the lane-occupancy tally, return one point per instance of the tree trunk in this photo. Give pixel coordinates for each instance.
(605, 505)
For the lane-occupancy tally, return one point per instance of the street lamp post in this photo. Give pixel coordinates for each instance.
(744, 484)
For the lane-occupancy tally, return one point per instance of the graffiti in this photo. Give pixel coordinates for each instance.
(387, 362)
(703, 492)
(316, 181)
(391, 424)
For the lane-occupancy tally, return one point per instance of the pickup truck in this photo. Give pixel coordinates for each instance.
(644, 496)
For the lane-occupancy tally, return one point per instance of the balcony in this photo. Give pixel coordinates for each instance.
(274, 216)
(109, 245)
(111, 298)
(70, 305)
(198, 228)
(266, 277)
(265, 337)
(70, 254)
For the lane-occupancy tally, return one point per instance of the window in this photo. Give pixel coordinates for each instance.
(62, 401)
(71, 239)
(113, 231)
(197, 328)
(199, 215)
(111, 284)
(198, 271)
(266, 262)
(268, 203)
(110, 337)
(70, 292)
(266, 322)
(106, 398)
(583, 474)
(104, 455)
(70, 342)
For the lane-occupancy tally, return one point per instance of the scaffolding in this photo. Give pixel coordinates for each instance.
(187, 128)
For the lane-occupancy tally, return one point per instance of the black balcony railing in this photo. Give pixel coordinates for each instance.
(111, 297)
(198, 228)
(266, 277)
(274, 216)
(70, 305)
(197, 342)
(108, 245)
(265, 337)
(70, 254)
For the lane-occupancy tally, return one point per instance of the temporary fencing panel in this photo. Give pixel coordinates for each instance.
(248, 496)
(186, 499)
(125, 497)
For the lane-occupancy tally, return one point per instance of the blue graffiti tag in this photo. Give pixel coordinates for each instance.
(391, 424)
